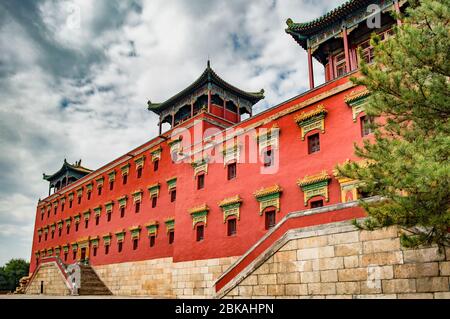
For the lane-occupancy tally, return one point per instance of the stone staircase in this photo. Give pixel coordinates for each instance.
(91, 283)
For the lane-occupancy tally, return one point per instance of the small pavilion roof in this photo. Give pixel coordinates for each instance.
(301, 31)
(208, 76)
(67, 167)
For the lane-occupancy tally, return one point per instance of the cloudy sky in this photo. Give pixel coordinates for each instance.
(75, 76)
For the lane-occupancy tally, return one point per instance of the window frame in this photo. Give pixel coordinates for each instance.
(199, 232)
(312, 147)
(268, 222)
(231, 171)
(230, 232)
(315, 203)
(200, 181)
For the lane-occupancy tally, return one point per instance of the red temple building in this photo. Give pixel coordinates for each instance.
(194, 209)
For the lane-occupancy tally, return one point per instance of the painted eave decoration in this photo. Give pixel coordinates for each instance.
(356, 95)
(275, 189)
(312, 179)
(318, 111)
(230, 201)
(199, 209)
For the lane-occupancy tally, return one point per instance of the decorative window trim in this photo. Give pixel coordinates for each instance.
(74, 246)
(45, 229)
(200, 166)
(311, 120)
(268, 137)
(170, 224)
(107, 239)
(87, 214)
(176, 146)
(231, 207)
(109, 206)
(60, 224)
(125, 169)
(152, 228)
(314, 185)
(171, 183)
(57, 250)
(50, 251)
(43, 252)
(100, 181)
(98, 210)
(68, 221)
(268, 197)
(62, 200)
(83, 242)
(231, 153)
(65, 248)
(53, 227)
(199, 214)
(357, 99)
(137, 196)
(71, 195)
(176, 141)
(89, 187)
(135, 232)
(120, 235)
(37, 253)
(55, 203)
(139, 162)
(122, 201)
(39, 231)
(154, 189)
(348, 184)
(94, 241)
(77, 218)
(80, 191)
(112, 176)
(156, 153)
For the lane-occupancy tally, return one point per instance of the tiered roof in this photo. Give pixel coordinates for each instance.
(207, 77)
(67, 167)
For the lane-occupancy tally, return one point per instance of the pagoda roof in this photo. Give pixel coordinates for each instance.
(67, 167)
(208, 76)
(301, 31)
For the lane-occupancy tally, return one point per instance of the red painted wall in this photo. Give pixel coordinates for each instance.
(336, 146)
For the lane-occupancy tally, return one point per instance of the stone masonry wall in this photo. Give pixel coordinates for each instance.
(54, 283)
(341, 262)
(163, 278)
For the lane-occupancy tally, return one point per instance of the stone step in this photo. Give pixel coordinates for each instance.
(90, 283)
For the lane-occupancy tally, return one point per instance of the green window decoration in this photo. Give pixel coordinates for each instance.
(231, 207)
(311, 120)
(268, 197)
(170, 224)
(314, 185)
(356, 100)
(199, 214)
(152, 228)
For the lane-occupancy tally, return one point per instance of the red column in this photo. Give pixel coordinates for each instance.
(160, 125)
(209, 101)
(346, 50)
(397, 9)
(310, 69)
(238, 113)
(224, 107)
(331, 67)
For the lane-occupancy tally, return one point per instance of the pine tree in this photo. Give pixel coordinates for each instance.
(407, 163)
